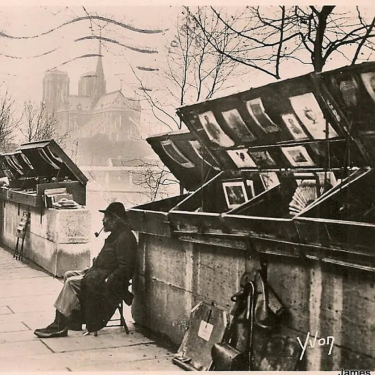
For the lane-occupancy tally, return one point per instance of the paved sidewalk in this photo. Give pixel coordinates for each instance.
(27, 295)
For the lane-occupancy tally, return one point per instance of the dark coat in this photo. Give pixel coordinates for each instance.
(104, 284)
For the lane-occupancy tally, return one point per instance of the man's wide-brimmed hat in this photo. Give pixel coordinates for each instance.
(117, 209)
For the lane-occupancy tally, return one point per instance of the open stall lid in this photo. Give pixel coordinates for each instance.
(187, 159)
(47, 159)
(306, 122)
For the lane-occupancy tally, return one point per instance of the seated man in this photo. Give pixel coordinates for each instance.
(96, 292)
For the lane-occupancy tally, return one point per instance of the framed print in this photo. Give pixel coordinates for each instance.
(349, 91)
(295, 129)
(236, 123)
(199, 150)
(235, 193)
(175, 154)
(269, 179)
(213, 130)
(250, 188)
(259, 115)
(262, 159)
(369, 83)
(241, 158)
(297, 156)
(308, 111)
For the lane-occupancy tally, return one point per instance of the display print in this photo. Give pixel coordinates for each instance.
(350, 92)
(262, 159)
(174, 153)
(308, 111)
(293, 126)
(259, 115)
(241, 158)
(298, 156)
(250, 187)
(198, 149)
(235, 193)
(269, 179)
(236, 123)
(369, 83)
(214, 131)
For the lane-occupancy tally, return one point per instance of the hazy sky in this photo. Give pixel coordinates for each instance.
(29, 49)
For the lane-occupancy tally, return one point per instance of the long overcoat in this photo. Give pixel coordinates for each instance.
(104, 284)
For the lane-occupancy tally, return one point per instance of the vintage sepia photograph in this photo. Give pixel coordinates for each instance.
(241, 158)
(259, 115)
(235, 193)
(269, 179)
(309, 112)
(214, 131)
(295, 129)
(122, 251)
(175, 154)
(369, 83)
(236, 123)
(298, 156)
(350, 92)
(199, 150)
(262, 159)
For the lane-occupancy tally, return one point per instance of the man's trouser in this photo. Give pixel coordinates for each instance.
(67, 301)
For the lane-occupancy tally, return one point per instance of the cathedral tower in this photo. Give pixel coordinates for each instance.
(55, 90)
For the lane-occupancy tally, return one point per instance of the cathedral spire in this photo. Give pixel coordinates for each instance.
(100, 83)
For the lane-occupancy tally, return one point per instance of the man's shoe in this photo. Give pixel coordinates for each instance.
(48, 332)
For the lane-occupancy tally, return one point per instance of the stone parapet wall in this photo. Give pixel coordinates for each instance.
(57, 240)
(320, 299)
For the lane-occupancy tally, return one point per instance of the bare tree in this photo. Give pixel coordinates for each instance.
(39, 124)
(192, 71)
(153, 177)
(268, 37)
(8, 121)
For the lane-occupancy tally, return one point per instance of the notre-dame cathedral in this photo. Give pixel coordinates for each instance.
(97, 126)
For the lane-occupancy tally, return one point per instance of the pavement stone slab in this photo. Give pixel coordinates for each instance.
(19, 350)
(27, 295)
(15, 327)
(160, 364)
(45, 362)
(79, 342)
(30, 303)
(4, 310)
(104, 358)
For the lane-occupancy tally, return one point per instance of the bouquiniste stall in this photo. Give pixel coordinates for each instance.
(281, 178)
(40, 176)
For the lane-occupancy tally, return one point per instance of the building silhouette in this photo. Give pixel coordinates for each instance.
(103, 132)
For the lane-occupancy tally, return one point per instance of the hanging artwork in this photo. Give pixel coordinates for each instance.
(259, 115)
(262, 159)
(269, 179)
(236, 123)
(199, 150)
(369, 82)
(293, 126)
(297, 156)
(175, 154)
(309, 112)
(241, 158)
(235, 193)
(350, 92)
(214, 131)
